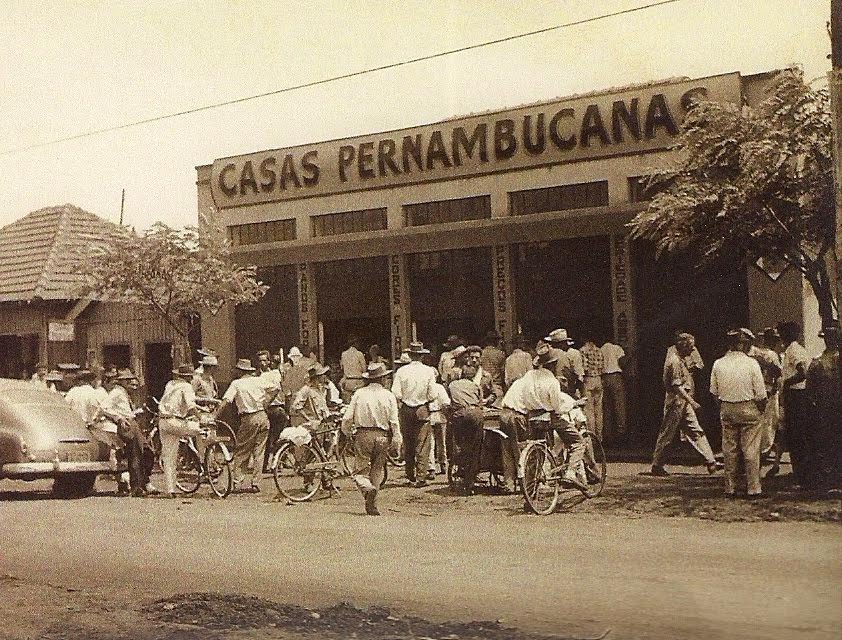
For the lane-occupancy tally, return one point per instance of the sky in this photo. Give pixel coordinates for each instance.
(72, 66)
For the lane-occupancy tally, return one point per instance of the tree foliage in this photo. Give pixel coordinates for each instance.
(757, 182)
(178, 273)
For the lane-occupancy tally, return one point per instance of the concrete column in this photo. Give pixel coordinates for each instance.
(505, 320)
(308, 320)
(399, 304)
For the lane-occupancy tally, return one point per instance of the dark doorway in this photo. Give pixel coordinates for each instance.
(271, 322)
(352, 297)
(669, 294)
(11, 357)
(451, 293)
(563, 284)
(158, 361)
(118, 355)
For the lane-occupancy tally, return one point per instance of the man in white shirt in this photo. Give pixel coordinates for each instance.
(614, 392)
(794, 364)
(84, 399)
(737, 384)
(272, 378)
(352, 362)
(177, 406)
(539, 391)
(251, 397)
(372, 420)
(414, 387)
(39, 378)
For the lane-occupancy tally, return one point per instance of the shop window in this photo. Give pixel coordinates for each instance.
(441, 211)
(119, 355)
(332, 224)
(641, 191)
(259, 232)
(561, 198)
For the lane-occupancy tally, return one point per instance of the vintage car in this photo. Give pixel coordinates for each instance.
(41, 436)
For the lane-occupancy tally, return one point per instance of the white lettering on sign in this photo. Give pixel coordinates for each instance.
(584, 128)
(304, 305)
(620, 280)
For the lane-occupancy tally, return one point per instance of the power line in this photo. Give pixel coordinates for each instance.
(345, 76)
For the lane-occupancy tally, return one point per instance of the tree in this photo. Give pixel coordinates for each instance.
(177, 273)
(757, 182)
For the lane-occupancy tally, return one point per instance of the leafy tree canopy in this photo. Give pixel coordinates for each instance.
(176, 272)
(754, 181)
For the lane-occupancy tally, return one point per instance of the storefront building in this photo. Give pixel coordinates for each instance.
(511, 220)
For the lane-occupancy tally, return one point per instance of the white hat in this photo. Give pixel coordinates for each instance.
(209, 361)
(294, 352)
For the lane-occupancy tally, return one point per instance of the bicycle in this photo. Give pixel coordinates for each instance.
(300, 468)
(542, 475)
(214, 466)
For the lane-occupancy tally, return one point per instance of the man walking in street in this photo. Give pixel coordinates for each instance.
(414, 387)
(372, 420)
(250, 396)
(680, 408)
(737, 384)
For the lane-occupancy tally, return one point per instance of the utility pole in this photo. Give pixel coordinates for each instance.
(122, 206)
(835, 84)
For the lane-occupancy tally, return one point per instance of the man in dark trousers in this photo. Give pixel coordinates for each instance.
(414, 387)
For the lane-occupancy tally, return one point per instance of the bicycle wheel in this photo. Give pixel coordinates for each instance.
(540, 488)
(188, 469)
(224, 430)
(218, 469)
(346, 455)
(298, 471)
(596, 468)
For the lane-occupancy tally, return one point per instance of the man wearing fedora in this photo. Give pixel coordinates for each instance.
(250, 395)
(139, 453)
(310, 405)
(569, 367)
(824, 395)
(372, 420)
(204, 383)
(177, 406)
(680, 408)
(736, 382)
(539, 391)
(414, 387)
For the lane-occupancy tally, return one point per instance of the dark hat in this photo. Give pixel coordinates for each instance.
(544, 355)
(452, 341)
(770, 332)
(376, 370)
(184, 370)
(417, 348)
(244, 364)
(317, 370)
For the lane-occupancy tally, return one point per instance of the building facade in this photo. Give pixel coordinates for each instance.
(512, 220)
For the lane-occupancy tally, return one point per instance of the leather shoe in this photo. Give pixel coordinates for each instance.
(370, 506)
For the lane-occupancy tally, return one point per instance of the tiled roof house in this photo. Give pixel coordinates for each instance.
(43, 320)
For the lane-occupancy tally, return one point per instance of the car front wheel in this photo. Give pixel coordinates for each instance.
(74, 485)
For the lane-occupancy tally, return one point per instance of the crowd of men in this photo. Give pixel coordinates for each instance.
(769, 394)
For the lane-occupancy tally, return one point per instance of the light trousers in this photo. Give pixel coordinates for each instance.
(769, 420)
(172, 430)
(679, 416)
(593, 408)
(741, 434)
(371, 447)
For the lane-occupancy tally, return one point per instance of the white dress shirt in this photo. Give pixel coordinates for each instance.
(537, 390)
(736, 377)
(249, 393)
(794, 355)
(518, 363)
(612, 354)
(179, 399)
(353, 363)
(119, 404)
(86, 401)
(273, 381)
(414, 384)
(372, 407)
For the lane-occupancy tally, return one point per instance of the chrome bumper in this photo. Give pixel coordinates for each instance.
(46, 468)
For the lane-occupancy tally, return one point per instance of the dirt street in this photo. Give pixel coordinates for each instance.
(84, 567)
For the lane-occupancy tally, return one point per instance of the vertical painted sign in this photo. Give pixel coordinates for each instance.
(504, 295)
(399, 304)
(625, 332)
(307, 318)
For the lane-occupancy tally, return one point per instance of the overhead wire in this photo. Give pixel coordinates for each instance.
(336, 78)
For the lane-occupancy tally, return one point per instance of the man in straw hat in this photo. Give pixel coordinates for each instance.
(414, 387)
(177, 405)
(251, 396)
(569, 367)
(372, 420)
(539, 391)
(736, 382)
(680, 408)
(204, 383)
